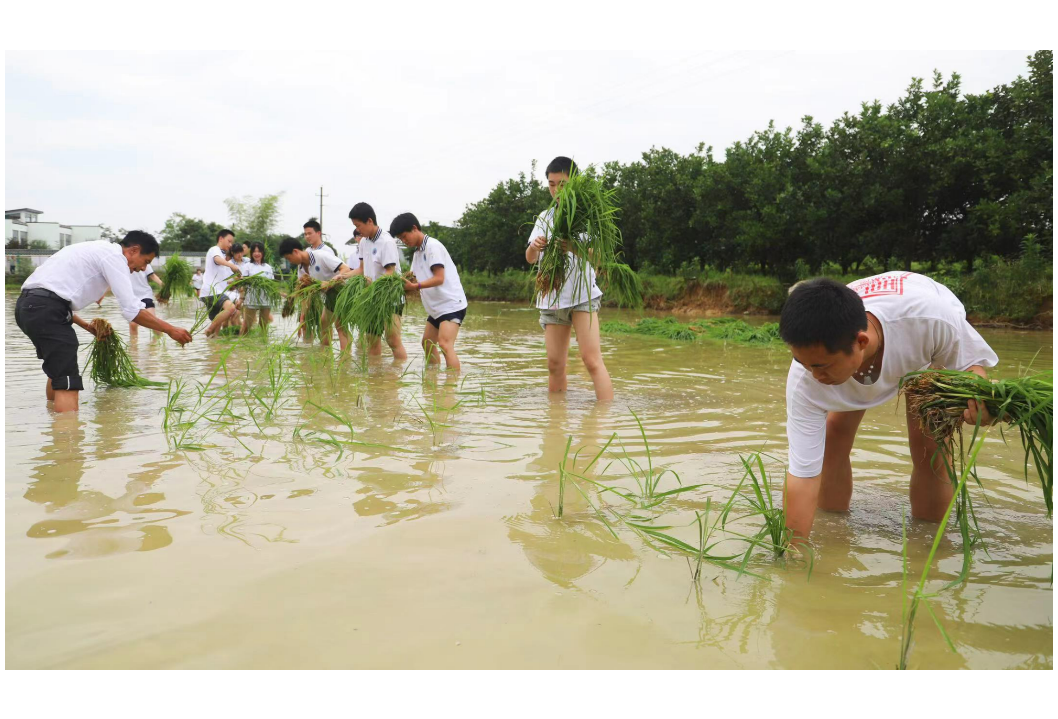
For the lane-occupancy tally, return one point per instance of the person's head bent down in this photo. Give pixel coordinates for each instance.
(825, 325)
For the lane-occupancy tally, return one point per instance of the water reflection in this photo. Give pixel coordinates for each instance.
(93, 523)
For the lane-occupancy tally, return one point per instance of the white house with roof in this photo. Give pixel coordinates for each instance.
(23, 225)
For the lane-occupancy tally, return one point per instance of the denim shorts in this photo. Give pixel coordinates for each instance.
(564, 316)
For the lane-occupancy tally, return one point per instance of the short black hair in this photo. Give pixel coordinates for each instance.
(822, 311)
(288, 245)
(363, 212)
(404, 222)
(224, 233)
(235, 249)
(313, 224)
(144, 240)
(563, 165)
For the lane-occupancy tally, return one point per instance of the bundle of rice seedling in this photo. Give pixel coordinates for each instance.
(621, 284)
(345, 304)
(260, 290)
(583, 220)
(310, 296)
(176, 278)
(291, 288)
(373, 309)
(108, 360)
(939, 397)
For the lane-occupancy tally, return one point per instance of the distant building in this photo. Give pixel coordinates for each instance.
(23, 226)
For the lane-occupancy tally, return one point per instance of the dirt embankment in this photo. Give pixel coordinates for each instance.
(1043, 320)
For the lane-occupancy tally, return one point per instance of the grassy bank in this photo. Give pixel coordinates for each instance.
(1014, 292)
(997, 292)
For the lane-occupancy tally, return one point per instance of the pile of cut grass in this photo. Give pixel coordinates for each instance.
(727, 329)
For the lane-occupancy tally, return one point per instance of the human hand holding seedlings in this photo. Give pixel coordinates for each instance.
(975, 408)
(180, 335)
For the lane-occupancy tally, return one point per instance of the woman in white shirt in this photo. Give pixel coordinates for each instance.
(574, 306)
(253, 303)
(851, 345)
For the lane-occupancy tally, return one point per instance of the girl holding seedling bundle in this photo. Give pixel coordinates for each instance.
(437, 281)
(379, 255)
(323, 267)
(255, 302)
(219, 270)
(567, 295)
(851, 346)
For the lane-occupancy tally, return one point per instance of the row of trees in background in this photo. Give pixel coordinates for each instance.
(252, 220)
(937, 176)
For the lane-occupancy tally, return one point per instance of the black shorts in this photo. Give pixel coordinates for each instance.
(148, 303)
(48, 322)
(215, 304)
(456, 317)
(330, 297)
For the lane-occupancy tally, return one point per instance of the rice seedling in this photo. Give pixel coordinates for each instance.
(774, 516)
(583, 221)
(919, 596)
(260, 290)
(727, 329)
(290, 288)
(176, 278)
(373, 309)
(939, 397)
(621, 284)
(108, 360)
(201, 318)
(344, 304)
(311, 297)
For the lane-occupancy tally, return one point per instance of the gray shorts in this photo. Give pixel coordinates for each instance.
(565, 316)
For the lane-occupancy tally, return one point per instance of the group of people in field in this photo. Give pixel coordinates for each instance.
(851, 344)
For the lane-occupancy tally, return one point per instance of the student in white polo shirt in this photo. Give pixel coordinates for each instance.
(219, 270)
(323, 266)
(575, 305)
(379, 255)
(314, 242)
(69, 280)
(141, 285)
(437, 281)
(851, 345)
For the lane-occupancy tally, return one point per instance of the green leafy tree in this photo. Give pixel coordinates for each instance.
(188, 234)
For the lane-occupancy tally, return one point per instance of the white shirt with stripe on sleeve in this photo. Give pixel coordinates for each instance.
(448, 296)
(377, 252)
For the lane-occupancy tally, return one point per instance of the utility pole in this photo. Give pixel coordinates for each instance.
(321, 196)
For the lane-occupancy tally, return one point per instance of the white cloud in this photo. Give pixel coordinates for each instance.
(129, 139)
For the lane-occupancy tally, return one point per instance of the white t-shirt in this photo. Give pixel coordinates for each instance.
(377, 252)
(322, 248)
(81, 274)
(574, 291)
(141, 284)
(196, 281)
(215, 277)
(323, 264)
(350, 255)
(446, 297)
(923, 324)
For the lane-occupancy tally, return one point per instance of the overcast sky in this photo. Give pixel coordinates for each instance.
(126, 140)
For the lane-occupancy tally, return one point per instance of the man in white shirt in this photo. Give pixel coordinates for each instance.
(851, 345)
(379, 255)
(69, 280)
(324, 266)
(575, 305)
(438, 285)
(219, 269)
(196, 279)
